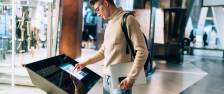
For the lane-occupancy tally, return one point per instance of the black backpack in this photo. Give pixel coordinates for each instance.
(148, 64)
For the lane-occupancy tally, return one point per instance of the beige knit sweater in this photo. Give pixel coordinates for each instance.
(113, 49)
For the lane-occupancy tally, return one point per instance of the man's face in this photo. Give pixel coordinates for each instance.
(101, 9)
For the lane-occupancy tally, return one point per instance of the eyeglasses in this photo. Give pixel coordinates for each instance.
(97, 9)
(98, 6)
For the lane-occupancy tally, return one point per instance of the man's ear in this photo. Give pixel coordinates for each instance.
(106, 3)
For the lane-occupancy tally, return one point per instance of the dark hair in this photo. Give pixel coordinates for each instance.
(92, 2)
(111, 2)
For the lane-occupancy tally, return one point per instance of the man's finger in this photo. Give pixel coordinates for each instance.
(122, 84)
(76, 66)
(126, 85)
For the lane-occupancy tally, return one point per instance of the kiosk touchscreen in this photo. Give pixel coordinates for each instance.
(70, 69)
(56, 75)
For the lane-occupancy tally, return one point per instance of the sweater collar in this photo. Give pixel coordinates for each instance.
(115, 14)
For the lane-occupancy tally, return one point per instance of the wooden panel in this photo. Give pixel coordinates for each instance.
(70, 41)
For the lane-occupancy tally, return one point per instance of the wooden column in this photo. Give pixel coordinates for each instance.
(70, 40)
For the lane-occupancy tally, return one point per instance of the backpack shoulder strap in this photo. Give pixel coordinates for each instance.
(148, 64)
(125, 31)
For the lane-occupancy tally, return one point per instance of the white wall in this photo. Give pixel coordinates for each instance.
(213, 2)
(159, 27)
(218, 13)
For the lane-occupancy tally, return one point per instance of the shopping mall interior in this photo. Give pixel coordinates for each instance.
(185, 39)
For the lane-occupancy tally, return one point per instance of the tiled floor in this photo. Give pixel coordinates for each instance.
(213, 83)
(168, 79)
(172, 79)
(21, 90)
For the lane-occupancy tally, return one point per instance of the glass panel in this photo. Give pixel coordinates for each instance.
(36, 36)
(5, 43)
(204, 27)
(92, 35)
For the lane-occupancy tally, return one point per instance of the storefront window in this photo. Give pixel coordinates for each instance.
(37, 27)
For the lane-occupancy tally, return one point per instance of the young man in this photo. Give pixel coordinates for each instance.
(113, 49)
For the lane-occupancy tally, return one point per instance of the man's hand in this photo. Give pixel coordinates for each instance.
(125, 84)
(79, 66)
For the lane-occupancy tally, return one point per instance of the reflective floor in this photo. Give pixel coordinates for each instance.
(213, 83)
(197, 75)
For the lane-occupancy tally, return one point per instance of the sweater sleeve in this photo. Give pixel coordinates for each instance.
(96, 57)
(138, 41)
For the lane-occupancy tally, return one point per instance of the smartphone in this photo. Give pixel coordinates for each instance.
(121, 78)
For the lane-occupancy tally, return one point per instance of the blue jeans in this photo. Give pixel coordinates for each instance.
(107, 89)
